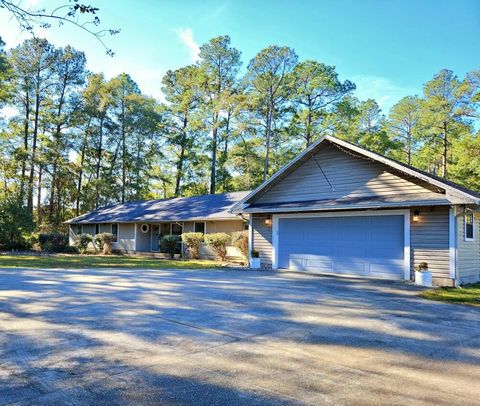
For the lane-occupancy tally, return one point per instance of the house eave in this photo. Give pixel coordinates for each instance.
(152, 221)
(296, 209)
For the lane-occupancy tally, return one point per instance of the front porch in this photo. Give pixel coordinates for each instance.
(148, 236)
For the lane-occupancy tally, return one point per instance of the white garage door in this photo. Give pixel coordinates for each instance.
(355, 245)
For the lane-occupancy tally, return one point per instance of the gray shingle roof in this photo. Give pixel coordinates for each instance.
(209, 207)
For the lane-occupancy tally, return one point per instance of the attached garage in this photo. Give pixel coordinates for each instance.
(352, 244)
(337, 208)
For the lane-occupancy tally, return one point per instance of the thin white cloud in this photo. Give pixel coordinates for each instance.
(383, 90)
(186, 36)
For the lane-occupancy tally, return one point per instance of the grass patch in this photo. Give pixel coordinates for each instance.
(468, 294)
(99, 261)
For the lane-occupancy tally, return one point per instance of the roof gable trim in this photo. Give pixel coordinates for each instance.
(242, 204)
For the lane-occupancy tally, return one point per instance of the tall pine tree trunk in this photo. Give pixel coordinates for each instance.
(268, 131)
(26, 131)
(181, 158)
(39, 195)
(34, 148)
(445, 149)
(124, 150)
(213, 168)
(99, 162)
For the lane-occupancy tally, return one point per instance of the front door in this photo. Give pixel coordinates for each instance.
(155, 240)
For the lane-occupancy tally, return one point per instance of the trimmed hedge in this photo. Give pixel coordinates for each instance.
(193, 242)
(240, 241)
(170, 244)
(104, 241)
(218, 242)
(53, 242)
(82, 241)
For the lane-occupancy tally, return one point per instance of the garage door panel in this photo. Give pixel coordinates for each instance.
(310, 262)
(351, 266)
(358, 245)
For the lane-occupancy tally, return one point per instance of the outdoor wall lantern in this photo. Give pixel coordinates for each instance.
(268, 221)
(416, 216)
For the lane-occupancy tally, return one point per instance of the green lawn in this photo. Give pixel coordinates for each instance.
(469, 294)
(99, 261)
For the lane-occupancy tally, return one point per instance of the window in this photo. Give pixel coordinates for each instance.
(176, 229)
(245, 225)
(144, 228)
(97, 228)
(79, 229)
(199, 228)
(115, 232)
(468, 220)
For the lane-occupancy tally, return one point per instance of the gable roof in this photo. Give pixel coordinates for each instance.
(464, 195)
(204, 207)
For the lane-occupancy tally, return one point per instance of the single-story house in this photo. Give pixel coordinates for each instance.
(138, 226)
(338, 208)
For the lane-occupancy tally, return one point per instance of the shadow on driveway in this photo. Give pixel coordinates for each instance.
(229, 337)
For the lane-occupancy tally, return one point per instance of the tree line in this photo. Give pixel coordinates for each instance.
(74, 140)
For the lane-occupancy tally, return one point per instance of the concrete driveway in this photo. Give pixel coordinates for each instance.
(107, 337)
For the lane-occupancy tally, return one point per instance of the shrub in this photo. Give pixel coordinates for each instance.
(218, 242)
(193, 242)
(104, 241)
(82, 241)
(170, 244)
(15, 225)
(70, 250)
(53, 242)
(240, 241)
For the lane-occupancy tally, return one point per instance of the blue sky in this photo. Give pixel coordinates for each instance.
(389, 48)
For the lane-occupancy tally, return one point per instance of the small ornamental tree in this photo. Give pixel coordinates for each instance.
(218, 242)
(193, 242)
(82, 241)
(170, 244)
(104, 241)
(240, 241)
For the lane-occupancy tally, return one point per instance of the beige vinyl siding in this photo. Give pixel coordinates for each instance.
(348, 175)
(262, 240)
(126, 237)
(227, 227)
(468, 252)
(224, 226)
(429, 242)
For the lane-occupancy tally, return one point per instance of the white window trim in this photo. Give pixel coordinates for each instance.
(181, 225)
(250, 237)
(406, 231)
(452, 242)
(465, 226)
(204, 226)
